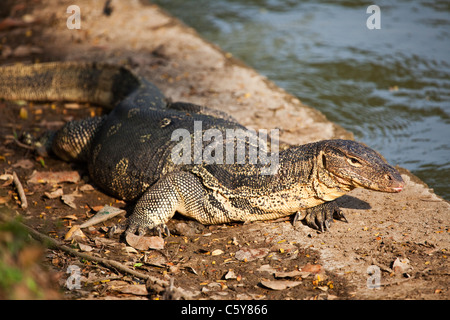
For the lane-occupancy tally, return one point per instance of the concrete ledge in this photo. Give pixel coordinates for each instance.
(188, 68)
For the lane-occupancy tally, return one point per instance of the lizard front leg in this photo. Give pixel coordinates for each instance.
(320, 217)
(178, 191)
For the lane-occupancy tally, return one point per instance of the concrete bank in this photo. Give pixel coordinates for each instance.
(188, 68)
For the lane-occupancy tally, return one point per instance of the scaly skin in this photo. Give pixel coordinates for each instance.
(128, 154)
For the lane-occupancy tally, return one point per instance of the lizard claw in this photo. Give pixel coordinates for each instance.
(162, 228)
(327, 225)
(143, 230)
(321, 217)
(118, 228)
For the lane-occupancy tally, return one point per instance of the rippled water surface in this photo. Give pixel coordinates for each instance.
(390, 87)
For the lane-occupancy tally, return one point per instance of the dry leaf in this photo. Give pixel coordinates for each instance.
(85, 247)
(70, 217)
(401, 266)
(24, 163)
(144, 243)
(217, 252)
(69, 200)
(230, 275)
(106, 212)
(266, 268)
(290, 274)
(136, 289)
(9, 179)
(279, 284)
(75, 234)
(249, 254)
(87, 187)
(54, 177)
(129, 249)
(54, 194)
(312, 268)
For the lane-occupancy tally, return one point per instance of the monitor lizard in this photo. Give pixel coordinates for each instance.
(129, 153)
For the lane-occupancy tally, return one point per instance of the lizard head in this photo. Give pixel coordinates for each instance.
(356, 165)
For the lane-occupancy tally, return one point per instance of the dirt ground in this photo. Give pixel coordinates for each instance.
(394, 246)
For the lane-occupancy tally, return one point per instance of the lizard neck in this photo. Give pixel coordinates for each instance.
(328, 186)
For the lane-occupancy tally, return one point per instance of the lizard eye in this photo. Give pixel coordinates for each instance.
(354, 162)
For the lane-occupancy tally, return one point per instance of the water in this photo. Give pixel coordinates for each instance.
(390, 87)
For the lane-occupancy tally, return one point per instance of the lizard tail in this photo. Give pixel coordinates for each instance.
(89, 82)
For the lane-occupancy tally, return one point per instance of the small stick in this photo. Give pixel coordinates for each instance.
(23, 198)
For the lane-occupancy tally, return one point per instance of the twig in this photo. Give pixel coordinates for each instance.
(23, 198)
(54, 244)
(23, 145)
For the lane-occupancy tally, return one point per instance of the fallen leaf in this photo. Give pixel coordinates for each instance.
(145, 243)
(279, 284)
(292, 274)
(107, 212)
(85, 247)
(75, 234)
(9, 179)
(24, 163)
(71, 217)
(87, 187)
(54, 194)
(249, 254)
(136, 289)
(217, 252)
(230, 275)
(117, 284)
(191, 270)
(54, 177)
(129, 249)
(401, 266)
(312, 268)
(266, 268)
(69, 200)
(97, 208)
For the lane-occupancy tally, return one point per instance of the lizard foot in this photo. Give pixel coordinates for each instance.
(321, 217)
(143, 230)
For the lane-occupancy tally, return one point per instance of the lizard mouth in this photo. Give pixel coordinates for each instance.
(399, 187)
(395, 187)
(395, 184)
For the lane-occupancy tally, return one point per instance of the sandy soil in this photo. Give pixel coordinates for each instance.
(266, 260)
